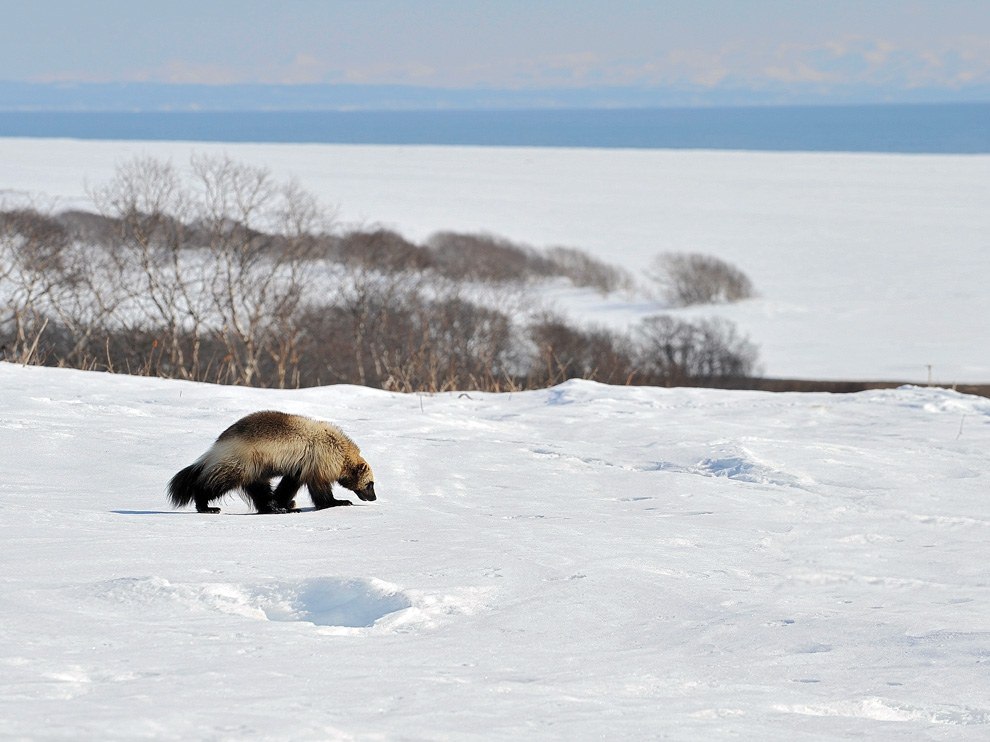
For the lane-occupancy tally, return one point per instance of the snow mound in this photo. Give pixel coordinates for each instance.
(321, 601)
(882, 709)
(743, 465)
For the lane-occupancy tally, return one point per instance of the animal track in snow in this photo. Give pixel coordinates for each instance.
(332, 605)
(356, 603)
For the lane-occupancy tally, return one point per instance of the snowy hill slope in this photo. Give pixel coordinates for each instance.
(575, 563)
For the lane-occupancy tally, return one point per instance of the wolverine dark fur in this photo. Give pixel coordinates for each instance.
(264, 445)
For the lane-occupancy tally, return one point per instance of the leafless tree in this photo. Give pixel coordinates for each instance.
(34, 268)
(220, 254)
(260, 236)
(146, 204)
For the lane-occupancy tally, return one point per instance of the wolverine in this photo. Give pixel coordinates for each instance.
(264, 445)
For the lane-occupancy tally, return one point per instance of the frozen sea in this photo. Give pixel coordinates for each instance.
(958, 128)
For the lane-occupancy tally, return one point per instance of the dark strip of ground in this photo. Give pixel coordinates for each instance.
(840, 387)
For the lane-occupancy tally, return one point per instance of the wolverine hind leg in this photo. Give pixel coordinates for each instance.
(203, 504)
(214, 483)
(260, 492)
(286, 490)
(187, 487)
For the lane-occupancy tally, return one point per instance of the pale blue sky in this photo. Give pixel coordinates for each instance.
(884, 44)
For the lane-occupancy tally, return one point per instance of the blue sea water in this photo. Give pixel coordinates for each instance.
(935, 128)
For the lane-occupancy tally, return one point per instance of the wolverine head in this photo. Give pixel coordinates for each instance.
(359, 479)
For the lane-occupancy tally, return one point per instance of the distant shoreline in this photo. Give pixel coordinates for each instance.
(950, 128)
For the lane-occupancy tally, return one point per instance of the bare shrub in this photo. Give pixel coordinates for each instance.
(473, 257)
(685, 279)
(584, 270)
(88, 227)
(393, 334)
(366, 318)
(563, 352)
(380, 249)
(673, 351)
(450, 343)
(470, 257)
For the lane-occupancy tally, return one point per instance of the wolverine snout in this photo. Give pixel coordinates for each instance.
(368, 493)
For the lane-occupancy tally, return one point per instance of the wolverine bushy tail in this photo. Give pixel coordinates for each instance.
(183, 487)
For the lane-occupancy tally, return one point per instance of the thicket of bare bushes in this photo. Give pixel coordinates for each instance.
(225, 275)
(685, 279)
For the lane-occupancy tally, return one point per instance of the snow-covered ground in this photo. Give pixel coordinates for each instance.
(584, 562)
(869, 266)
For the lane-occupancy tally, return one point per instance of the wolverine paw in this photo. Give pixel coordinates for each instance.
(333, 504)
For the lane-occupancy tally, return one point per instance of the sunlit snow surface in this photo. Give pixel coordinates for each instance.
(869, 266)
(584, 562)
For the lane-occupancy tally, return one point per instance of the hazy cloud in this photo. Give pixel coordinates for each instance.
(894, 44)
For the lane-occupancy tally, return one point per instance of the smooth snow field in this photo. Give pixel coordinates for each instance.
(583, 562)
(868, 266)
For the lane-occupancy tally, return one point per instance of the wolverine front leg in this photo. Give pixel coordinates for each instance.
(323, 497)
